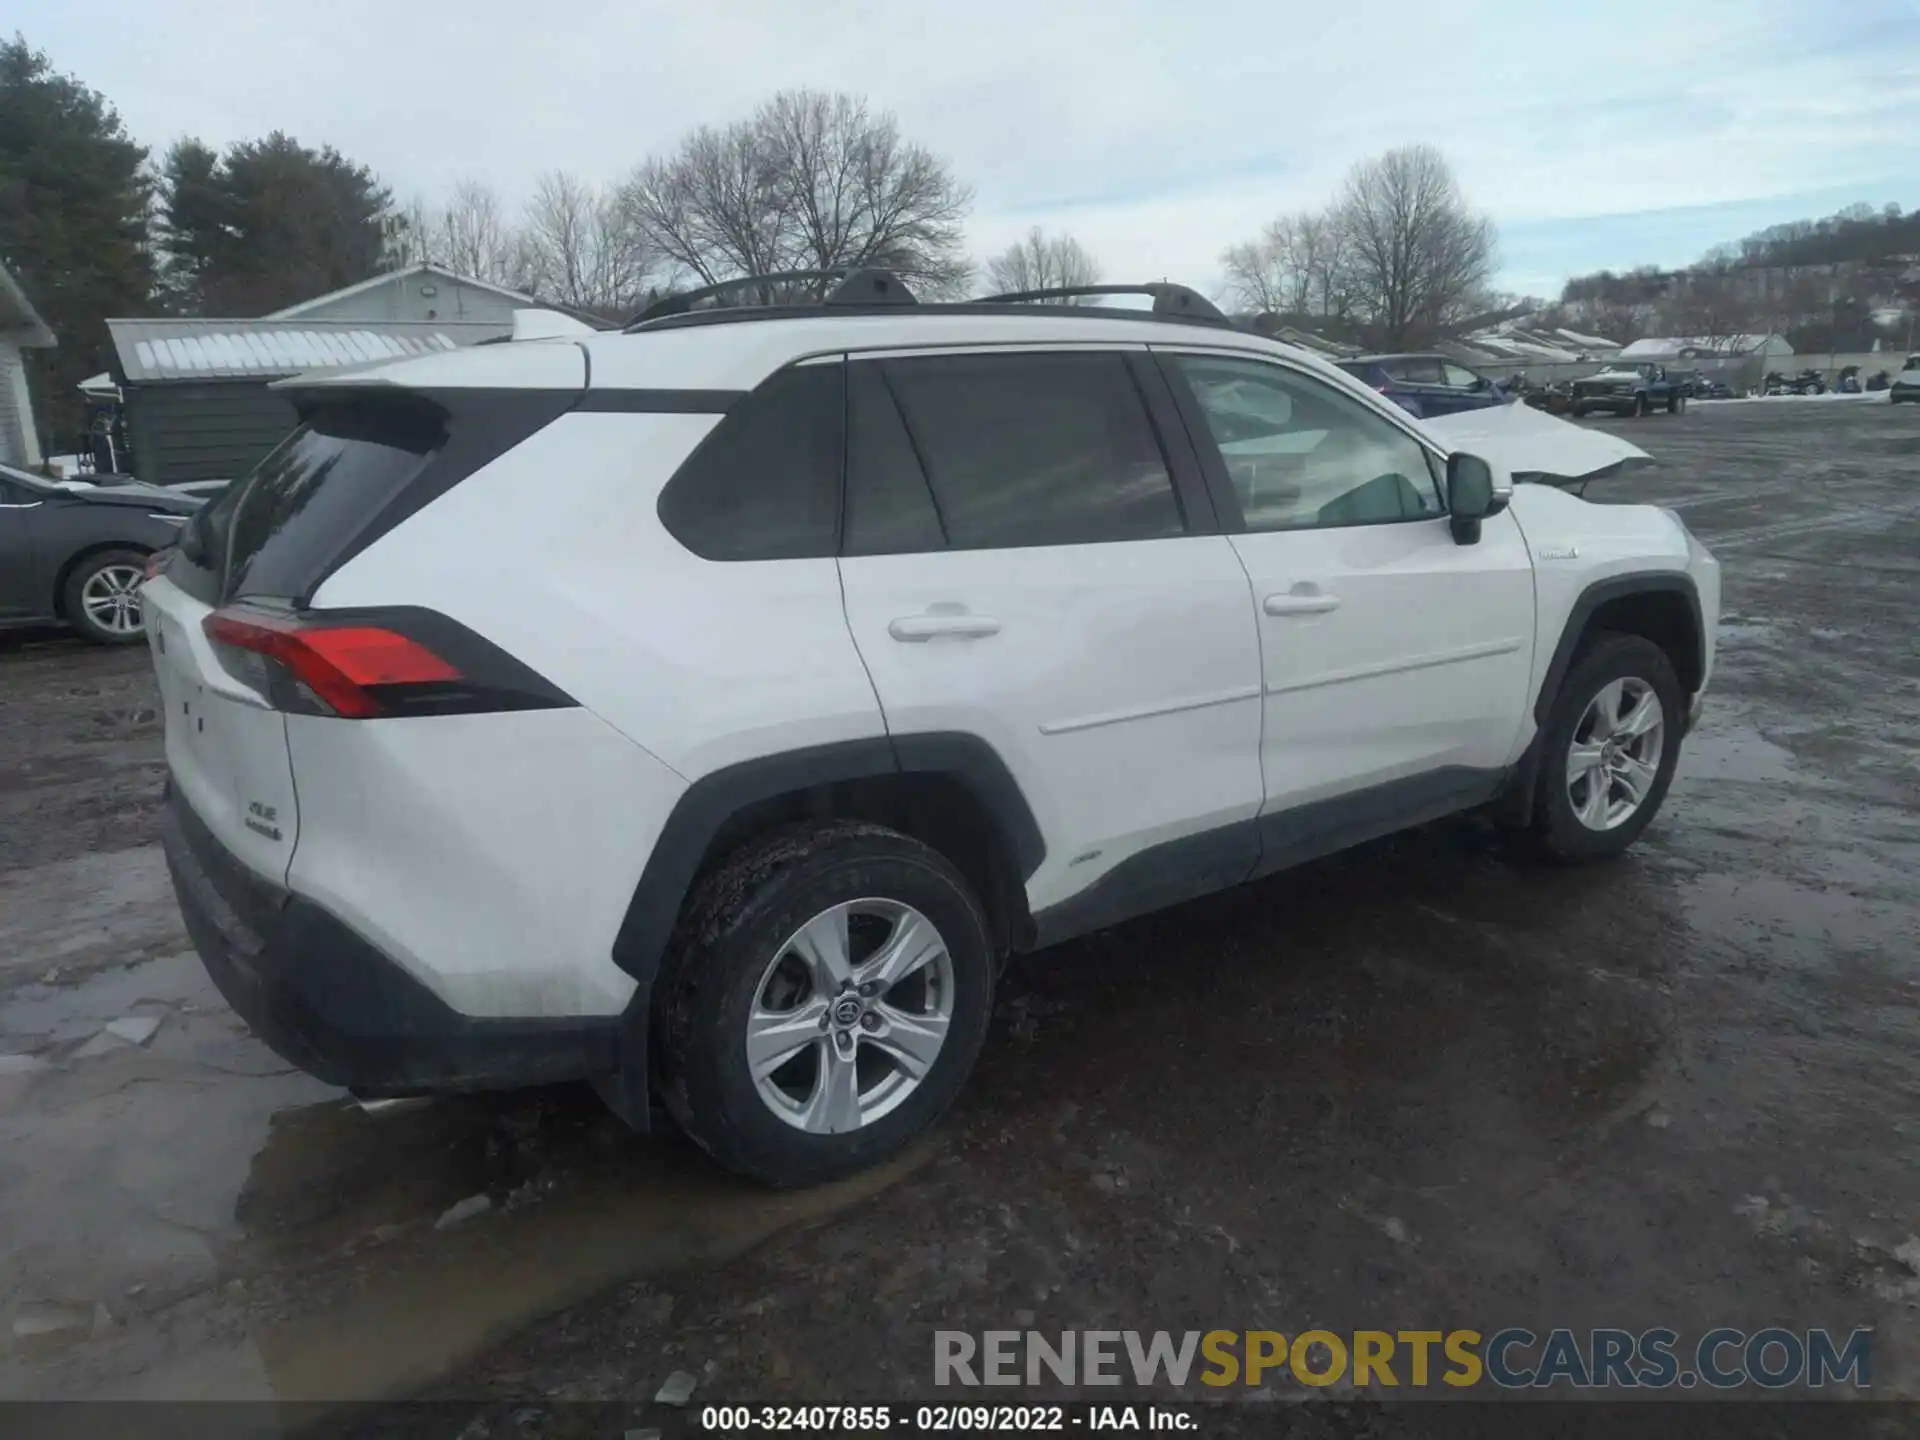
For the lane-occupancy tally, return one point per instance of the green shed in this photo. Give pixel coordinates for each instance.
(195, 391)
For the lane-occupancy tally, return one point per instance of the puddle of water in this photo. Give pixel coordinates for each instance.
(1734, 753)
(253, 1234)
(1739, 632)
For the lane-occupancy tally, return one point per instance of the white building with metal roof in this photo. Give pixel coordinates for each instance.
(21, 329)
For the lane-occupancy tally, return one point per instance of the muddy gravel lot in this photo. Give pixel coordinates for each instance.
(1422, 1086)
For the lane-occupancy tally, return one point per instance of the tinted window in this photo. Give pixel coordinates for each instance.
(1415, 370)
(314, 492)
(1459, 376)
(1036, 449)
(890, 510)
(16, 494)
(765, 485)
(1301, 454)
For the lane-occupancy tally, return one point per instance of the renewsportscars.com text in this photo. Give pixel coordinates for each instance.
(1513, 1358)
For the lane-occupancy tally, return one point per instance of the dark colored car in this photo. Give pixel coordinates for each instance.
(1426, 385)
(1629, 390)
(78, 553)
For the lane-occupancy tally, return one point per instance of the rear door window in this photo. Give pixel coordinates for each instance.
(1416, 370)
(890, 509)
(1047, 449)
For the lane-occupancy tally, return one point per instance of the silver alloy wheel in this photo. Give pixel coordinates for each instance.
(1615, 753)
(850, 1015)
(111, 598)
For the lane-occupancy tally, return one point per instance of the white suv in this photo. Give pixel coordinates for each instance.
(708, 710)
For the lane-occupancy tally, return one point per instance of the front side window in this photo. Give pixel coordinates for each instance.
(1302, 455)
(1459, 376)
(1022, 450)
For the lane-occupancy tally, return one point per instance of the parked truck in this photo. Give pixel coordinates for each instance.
(1629, 390)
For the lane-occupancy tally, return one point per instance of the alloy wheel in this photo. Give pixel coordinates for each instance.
(1615, 755)
(111, 598)
(850, 1015)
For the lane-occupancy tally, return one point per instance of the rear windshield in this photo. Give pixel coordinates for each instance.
(276, 532)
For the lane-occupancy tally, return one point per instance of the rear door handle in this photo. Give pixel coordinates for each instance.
(1301, 600)
(917, 629)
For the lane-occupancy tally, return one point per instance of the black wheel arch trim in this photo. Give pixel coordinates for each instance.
(1600, 592)
(711, 801)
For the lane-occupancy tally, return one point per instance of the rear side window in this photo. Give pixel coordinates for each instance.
(1416, 370)
(765, 485)
(315, 491)
(1024, 450)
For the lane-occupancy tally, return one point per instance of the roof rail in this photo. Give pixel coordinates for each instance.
(1168, 299)
(856, 286)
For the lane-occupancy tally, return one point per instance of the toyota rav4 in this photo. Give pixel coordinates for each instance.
(707, 710)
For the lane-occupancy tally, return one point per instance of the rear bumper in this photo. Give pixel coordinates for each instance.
(328, 1001)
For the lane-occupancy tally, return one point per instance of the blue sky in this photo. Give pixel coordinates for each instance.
(1596, 134)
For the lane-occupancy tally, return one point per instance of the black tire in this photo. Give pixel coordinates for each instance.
(1639, 404)
(73, 603)
(1676, 404)
(742, 913)
(1556, 832)
(1579, 412)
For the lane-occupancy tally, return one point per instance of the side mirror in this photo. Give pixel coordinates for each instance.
(1471, 496)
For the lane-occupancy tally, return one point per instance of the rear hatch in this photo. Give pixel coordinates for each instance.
(219, 609)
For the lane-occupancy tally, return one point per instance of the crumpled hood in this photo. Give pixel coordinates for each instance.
(1530, 442)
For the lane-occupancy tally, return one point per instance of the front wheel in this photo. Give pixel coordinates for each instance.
(1607, 751)
(102, 597)
(1676, 404)
(823, 1002)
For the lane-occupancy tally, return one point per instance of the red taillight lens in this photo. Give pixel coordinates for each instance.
(335, 664)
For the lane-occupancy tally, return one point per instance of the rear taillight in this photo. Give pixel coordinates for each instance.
(370, 664)
(350, 670)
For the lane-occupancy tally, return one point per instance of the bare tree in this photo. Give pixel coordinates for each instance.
(811, 181)
(1295, 267)
(477, 239)
(582, 247)
(1711, 307)
(1042, 262)
(1414, 254)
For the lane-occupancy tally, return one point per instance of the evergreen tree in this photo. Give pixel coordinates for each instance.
(74, 202)
(268, 224)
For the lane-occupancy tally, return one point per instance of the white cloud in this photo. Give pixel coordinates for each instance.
(1159, 134)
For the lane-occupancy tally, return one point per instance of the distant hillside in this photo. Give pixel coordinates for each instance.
(1845, 282)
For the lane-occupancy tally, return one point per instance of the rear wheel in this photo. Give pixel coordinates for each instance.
(1607, 751)
(1640, 404)
(823, 1001)
(102, 597)
(1676, 404)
